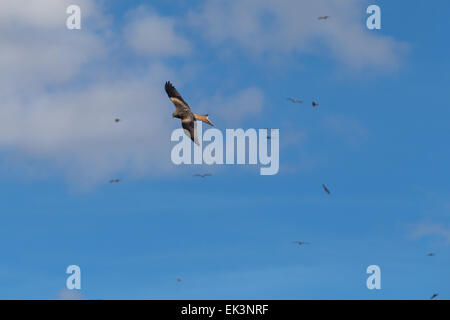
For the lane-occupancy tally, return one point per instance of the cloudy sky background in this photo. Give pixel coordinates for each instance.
(379, 140)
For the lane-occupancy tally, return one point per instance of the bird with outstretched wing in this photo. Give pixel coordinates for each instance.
(184, 112)
(294, 100)
(202, 175)
(300, 243)
(326, 189)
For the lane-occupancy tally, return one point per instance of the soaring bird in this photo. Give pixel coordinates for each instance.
(294, 100)
(178, 279)
(323, 17)
(431, 254)
(434, 296)
(326, 189)
(300, 242)
(314, 104)
(117, 120)
(114, 181)
(184, 112)
(202, 175)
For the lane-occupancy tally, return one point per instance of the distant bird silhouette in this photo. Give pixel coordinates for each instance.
(202, 175)
(294, 100)
(314, 104)
(300, 242)
(323, 17)
(114, 181)
(117, 120)
(178, 280)
(431, 254)
(326, 189)
(434, 296)
(184, 112)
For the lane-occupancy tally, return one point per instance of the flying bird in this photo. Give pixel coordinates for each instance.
(431, 254)
(202, 175)
(117, 120)
(434, 296)
(326, 189)
(314, 104)
(300, 242)
(294, 100)
(323, 17)
(178, 280)
(184, 112)
(114, 181)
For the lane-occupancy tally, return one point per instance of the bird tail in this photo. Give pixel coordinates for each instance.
(203, 118)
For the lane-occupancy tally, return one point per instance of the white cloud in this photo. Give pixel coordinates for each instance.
(62, 89)
(76, 129)
(42, 13)
(154, 36)
(285, 26)
(234, 108)
(36, 47)
(58, 103)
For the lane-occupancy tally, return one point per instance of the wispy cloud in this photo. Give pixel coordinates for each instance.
(152, 35)
(66, 294)
(62, 88)
(346, 128)
(434, 230)
(38, 50)
(234, 108)
(60, 95)
(287, 27)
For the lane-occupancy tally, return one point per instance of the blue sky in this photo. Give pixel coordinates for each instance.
(378, 140)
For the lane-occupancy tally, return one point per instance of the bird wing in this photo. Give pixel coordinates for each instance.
(325, 188)
(174, 96)
(190, 128)
(183, 109)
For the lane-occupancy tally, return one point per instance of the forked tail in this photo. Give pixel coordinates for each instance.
(203, 118)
